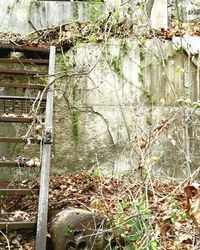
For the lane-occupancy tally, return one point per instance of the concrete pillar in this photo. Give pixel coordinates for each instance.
(159, 17)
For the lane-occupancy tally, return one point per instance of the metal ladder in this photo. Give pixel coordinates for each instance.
(19, 109)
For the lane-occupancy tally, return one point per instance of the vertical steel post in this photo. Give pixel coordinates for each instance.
(46, 154)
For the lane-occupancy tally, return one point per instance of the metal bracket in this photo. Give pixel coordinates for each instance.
(47, 137)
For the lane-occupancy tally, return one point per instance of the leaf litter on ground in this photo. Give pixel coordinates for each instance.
(175, 214)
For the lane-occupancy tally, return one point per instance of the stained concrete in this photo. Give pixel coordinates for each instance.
(30, 15)
(115, 106)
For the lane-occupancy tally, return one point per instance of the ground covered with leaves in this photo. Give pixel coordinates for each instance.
(141, 214)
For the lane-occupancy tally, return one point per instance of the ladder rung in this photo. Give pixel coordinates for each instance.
(9, 163)
(17, 191)
(3, 97)
(18, 163)
(25, 61)
(12, 139)
(22, 85)
(16, 140)
(17, 225)
(17, 119)
(21, 48)
(22, 72)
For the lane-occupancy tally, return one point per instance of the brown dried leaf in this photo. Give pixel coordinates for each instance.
(193, 202)
(195, 211)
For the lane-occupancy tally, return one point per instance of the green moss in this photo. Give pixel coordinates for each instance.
(75, 133)
(116, 63)
(148, 120)
(149, 96)
(74, 93)
(94, 9)
(37, 4)
(75, 14)
(75, 114)
(142, 52)
(140, 77)
(9, 9)
(64, 64)
(124, 46)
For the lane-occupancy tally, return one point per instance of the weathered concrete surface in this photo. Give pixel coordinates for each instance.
(159, 14)
(30, 15)
(110, 95)
(119, 96)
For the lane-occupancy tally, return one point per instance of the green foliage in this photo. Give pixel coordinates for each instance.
(175, 213)
(186, 101)
(94, 9)
(180, 101)
(116, 63)
(178, 69)
(142, 5)
(140, 77)
(9, 9)
(172, 217)
(133, 229)
(64, 63)
(75, 11)
(92, 38)
(153, 245)
(196, 104)
(97, 172)
(124, 46)
(183, 215)
(148, 93)
(75, 114)
(68, 230)
(142, 52)
(116, 16)
(148, 120)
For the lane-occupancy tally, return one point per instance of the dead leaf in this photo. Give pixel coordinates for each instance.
(193, 202)
(195, 211)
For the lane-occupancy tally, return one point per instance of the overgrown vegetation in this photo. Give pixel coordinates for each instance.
(139, 215)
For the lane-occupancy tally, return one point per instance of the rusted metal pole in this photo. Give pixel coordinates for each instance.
(46, 153)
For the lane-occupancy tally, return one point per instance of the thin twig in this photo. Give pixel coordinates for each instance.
(7, 240)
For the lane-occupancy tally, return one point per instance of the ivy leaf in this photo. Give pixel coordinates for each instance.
(180, 101)
(116, 15)
(153, 245)
(129, 247)
(92, 38)
(196, 104)
(172, 220)
(178, 69)
(187, 101)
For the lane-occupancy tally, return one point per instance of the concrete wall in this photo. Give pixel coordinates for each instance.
(43, 14)
(112, 94)
(24, 16)
(124, 94)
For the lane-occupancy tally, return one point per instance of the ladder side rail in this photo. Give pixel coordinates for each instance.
(46, 152)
